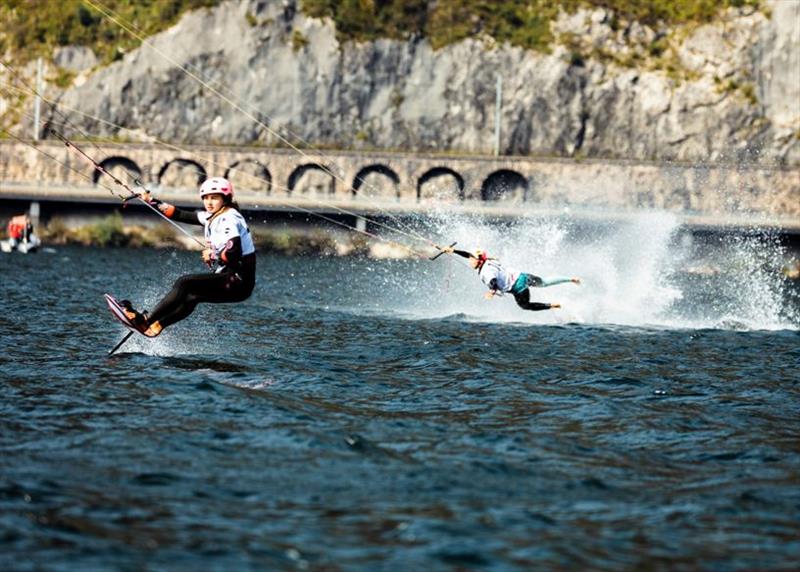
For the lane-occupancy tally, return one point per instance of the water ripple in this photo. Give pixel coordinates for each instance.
(281, 435)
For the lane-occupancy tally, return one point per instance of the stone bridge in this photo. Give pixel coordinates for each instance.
(267, 177)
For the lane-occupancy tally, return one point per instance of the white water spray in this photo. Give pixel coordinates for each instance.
(643, 272)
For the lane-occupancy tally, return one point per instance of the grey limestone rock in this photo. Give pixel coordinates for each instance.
(260, 72)
(74, 58)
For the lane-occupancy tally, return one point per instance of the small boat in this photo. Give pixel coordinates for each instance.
(30, 244)
(21, 237)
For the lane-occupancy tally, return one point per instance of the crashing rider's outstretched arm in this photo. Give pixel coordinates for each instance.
(462, 253)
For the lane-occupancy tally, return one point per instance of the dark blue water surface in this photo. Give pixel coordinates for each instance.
(335, 422)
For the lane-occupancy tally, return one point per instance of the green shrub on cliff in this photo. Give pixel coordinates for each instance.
(366, 20)
(31, 28)
(524, 23)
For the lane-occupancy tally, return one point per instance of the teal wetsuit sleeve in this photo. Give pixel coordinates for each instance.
(553, 280)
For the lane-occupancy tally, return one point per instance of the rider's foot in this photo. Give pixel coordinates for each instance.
(138, 319)
(153, 329)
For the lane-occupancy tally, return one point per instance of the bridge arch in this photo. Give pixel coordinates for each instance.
(426, 189)
(312, 178)
(118, 165)
(381, 171)
(505, 185)
(181, 173)
(249, 174)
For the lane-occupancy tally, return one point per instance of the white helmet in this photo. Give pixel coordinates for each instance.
(216, 185)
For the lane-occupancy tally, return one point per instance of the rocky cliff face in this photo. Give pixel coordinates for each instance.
(271, 73)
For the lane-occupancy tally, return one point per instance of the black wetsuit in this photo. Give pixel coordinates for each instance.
(233, 283)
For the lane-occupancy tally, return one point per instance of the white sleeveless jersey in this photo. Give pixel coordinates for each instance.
(225, 227)
(505, 277)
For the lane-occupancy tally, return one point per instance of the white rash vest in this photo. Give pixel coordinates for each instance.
(224, 228)
(504, 277)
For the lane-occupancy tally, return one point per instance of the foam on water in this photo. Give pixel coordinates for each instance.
(170, 343)
(642, 272)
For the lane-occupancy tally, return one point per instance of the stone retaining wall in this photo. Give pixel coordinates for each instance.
(708, 190)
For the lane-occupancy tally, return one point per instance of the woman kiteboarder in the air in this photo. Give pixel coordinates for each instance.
(229, 245)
